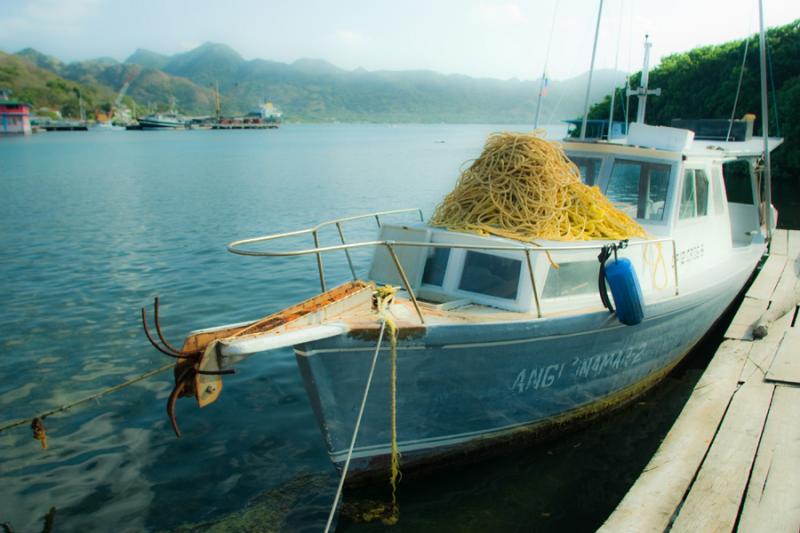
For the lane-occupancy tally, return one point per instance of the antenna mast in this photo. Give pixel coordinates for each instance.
(591, 72)
(765, 117)
(642, 92)
(616, 66)
(543, 81)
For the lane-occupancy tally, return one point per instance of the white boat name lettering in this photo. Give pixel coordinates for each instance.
(594, 365)
(542, 377)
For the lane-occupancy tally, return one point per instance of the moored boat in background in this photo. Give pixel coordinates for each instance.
(162, 121)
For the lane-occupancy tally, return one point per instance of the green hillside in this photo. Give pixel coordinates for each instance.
(702, 83)
(44, 88)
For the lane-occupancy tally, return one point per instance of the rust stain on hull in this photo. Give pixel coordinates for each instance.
(403, 333)
(199, 341)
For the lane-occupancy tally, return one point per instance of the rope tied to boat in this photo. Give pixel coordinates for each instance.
(382, 299)
(37, 421)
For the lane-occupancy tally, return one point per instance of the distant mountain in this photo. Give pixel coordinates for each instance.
(41, 60)
(206, 64)
(146, 58)
(315, 90)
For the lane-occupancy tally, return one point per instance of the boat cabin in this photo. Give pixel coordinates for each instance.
(699, 200)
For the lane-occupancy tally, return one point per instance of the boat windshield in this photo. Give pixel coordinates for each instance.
(639, 188)
(589, 168)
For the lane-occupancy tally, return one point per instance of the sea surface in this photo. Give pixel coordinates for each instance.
(94, 225)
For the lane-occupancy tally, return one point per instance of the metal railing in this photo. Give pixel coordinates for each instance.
(525, 249)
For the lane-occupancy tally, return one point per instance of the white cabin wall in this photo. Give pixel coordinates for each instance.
(703, 241)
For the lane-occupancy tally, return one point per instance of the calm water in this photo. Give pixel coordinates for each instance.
(94, 225)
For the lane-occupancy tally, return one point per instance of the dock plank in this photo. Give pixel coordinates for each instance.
(762, 352)
(780, 242)
(764, 285)
(793, 245)
(760, 358)
(715, 497)
(785, 368)
(750, 311)
(773, 494)
(652, 501)
(788, 280)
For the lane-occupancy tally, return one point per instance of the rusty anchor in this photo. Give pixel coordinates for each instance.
(188, 370)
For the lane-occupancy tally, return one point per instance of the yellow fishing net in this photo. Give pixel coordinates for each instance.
(523, 187)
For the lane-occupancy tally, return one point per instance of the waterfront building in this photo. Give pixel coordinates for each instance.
(15, 117)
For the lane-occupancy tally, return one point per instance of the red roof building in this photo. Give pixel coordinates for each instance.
(15, 117)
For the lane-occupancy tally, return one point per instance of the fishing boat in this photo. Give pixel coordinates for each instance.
(495, 338)
(162, 121)
(500, 339)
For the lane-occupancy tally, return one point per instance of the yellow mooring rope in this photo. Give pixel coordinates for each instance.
(524, 187)
(384, 296)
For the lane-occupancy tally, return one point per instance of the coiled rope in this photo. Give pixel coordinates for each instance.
(524, 187)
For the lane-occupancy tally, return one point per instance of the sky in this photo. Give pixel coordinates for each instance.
(495, 39)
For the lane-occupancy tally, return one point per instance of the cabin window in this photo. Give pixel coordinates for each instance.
(639, 188)
(737, 182)
(491, 275)
(436, 266)
(589, 168)
(571, 279)
(694, 195)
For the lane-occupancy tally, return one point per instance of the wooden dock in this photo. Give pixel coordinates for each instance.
(732, 459)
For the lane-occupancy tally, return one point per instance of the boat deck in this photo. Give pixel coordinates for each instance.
(732, 459)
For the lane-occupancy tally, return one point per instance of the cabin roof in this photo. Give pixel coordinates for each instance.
(753, 147)
(13, 102)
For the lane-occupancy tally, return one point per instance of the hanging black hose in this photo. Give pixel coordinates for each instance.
(605, 253)
(602, 287)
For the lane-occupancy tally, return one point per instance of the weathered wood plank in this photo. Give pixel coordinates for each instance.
(750, 311)
(773, 494)
(785, 368)
(652, 501)
(715, 497)
(763, 351)
(761, 355)
(780, 242)
(793, 246)
(766, 281)
(786, 284)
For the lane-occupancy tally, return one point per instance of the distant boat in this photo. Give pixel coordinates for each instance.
(165, 121)
(106, 126)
